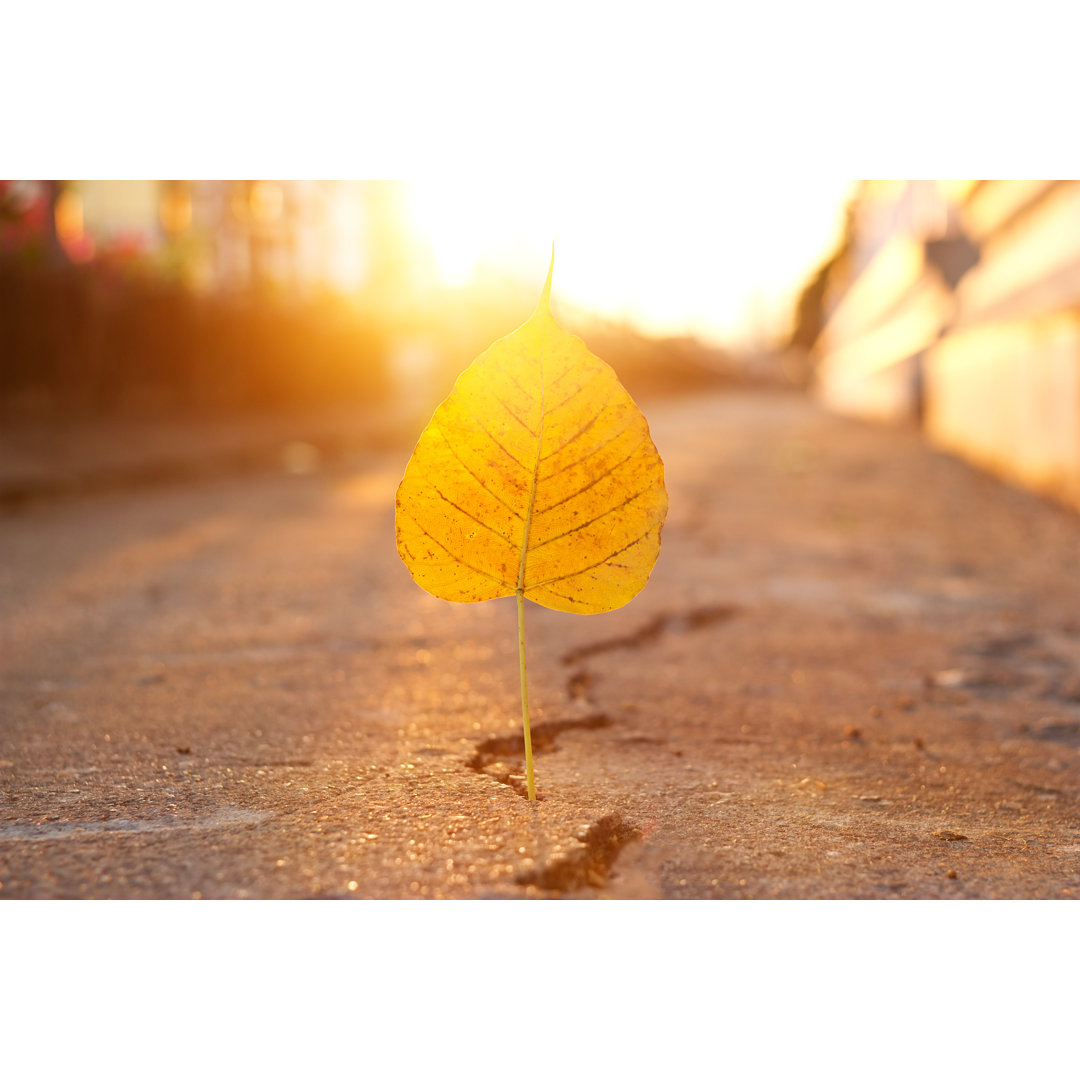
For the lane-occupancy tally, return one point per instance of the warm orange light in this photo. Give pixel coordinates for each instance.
(69, 217)
(238, 203)
(267, 201)
(70, 228)
(174, 210)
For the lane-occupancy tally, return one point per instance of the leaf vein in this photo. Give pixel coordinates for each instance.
(513, 378)
(592, 453)
(519, 464)
(514, 415)
(602, 562)
(573, 438)
(479, 521)
(592, 521)
(532, 503)
(562, 374)
(493, 494)
(574, 393)
(555, 592)
(592, 483)
(457, 558)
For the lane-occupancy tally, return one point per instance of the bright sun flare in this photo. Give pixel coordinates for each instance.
(707, 258)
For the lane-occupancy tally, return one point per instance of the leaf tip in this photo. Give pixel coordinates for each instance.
(545, 295)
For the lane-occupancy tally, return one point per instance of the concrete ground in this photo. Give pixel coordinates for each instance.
(855, 673)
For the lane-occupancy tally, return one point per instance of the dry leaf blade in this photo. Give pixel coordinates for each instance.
(537, 474)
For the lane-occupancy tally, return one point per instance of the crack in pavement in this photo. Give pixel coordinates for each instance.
(589, 863)
(490, 758)
(579, 685)
(592, 855)
(699, 618)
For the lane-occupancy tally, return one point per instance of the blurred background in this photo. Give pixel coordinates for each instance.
(297, 317)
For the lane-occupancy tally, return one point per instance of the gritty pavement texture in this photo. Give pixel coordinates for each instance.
(855, 673)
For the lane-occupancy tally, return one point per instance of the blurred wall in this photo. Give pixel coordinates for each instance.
(960, 310)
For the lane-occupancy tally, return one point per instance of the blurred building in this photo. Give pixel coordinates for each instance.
(234, 234)
(956, 305)
(188, 297)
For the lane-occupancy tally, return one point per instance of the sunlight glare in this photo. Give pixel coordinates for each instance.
(466, 225)
(715, 258)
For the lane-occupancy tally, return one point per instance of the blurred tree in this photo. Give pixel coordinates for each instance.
(28, 220)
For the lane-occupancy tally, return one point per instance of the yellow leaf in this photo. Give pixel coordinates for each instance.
(537, 476)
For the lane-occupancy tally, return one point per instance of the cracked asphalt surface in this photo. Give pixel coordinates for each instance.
(855, 673)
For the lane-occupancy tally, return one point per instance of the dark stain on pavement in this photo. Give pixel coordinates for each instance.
(588, 864)
(1058, 730)
(699, 618)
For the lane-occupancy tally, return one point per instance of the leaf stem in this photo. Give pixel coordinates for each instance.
(529, 778)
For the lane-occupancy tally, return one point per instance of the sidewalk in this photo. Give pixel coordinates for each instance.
(854, 673)
(42, 460)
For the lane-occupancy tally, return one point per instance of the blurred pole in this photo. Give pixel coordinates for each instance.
(55, 255)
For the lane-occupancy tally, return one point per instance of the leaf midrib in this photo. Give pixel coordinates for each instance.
(535, 472)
